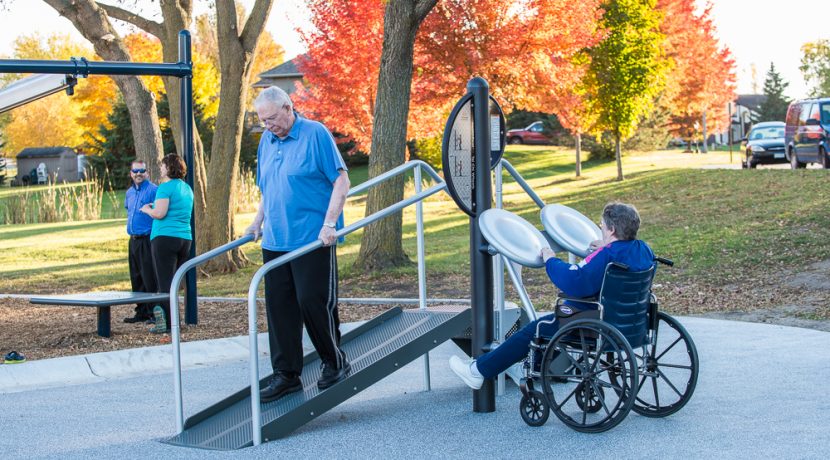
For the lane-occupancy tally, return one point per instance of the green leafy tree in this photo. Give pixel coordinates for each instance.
(815, 66)
(774, 108)
(627, 68)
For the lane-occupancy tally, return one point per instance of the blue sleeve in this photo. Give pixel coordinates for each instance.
(127, 199)
(576, 281)
(164, 191)
(151, 195)
(329, 161)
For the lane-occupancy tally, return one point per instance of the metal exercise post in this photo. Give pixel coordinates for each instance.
(481, 263)
(191, 314)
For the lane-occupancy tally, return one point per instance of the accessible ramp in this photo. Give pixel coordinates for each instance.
(375, 349)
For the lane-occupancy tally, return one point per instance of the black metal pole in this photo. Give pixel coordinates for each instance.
(481, 263)
(81, 67)
(191, 313)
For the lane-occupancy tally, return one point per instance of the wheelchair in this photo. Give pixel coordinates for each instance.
(602, 363)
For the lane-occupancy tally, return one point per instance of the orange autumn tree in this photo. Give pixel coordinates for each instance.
(702, 79)
(522, 49)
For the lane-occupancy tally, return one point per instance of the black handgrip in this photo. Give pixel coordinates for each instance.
(664, 261)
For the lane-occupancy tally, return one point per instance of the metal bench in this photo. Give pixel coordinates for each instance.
(103, 301)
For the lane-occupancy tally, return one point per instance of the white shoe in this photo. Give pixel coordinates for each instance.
(462, 369)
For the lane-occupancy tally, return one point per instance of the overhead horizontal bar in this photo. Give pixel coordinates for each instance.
(82, 67)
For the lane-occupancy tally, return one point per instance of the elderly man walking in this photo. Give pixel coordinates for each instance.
(139, 225)
(304, 183)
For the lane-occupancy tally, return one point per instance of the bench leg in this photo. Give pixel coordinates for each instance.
(104, 321)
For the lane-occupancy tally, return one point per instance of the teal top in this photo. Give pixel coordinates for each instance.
(177, 221)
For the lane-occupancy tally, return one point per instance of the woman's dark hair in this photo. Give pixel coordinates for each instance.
(176, 169)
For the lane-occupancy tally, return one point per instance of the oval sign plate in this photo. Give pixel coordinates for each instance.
(458, 155)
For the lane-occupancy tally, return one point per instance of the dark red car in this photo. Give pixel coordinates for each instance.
(533, 134)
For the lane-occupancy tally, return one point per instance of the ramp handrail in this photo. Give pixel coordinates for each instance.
(256, 417)
(174, 317)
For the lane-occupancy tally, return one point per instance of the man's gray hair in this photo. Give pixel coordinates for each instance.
(273, 95)
(623, 218)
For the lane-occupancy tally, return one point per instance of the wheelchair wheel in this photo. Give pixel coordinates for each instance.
(599, 358)
(668, 370)
(534, 408)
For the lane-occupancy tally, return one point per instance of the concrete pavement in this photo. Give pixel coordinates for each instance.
(760, 395)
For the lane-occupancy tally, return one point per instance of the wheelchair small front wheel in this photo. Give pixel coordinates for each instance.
(589, 397)
(534, 408)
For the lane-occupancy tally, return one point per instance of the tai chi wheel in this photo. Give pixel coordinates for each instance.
(534, 408)
(600, 358)
(668, 370)
(513, 237)
(571, 230)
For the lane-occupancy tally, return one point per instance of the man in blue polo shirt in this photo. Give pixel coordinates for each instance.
(304, 183)
(142, 276)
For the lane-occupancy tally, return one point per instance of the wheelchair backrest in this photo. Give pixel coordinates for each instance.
(625, 297)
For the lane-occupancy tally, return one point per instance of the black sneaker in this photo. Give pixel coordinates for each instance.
(136, 319)
(279, 386)
(332, 374)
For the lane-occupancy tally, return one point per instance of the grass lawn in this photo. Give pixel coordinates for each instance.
(732, 233)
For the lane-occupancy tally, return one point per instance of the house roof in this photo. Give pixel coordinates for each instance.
(44, 152)
(751, 101)
(286, 69)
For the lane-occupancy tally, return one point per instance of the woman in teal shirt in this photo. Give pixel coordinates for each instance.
(170, 237)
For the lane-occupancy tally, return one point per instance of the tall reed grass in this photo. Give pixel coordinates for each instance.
(58, 202)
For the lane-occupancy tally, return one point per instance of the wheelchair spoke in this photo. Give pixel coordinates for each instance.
(668, 382)
(601, 398)
(676, 366)
(656, 393)
(565, 401)
(669, 348)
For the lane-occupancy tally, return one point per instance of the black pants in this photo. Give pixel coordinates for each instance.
(303, 291)
(169, 253)
(142, 273)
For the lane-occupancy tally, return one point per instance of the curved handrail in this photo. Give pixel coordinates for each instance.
(521, 181)
(174, 317)
(256, 417)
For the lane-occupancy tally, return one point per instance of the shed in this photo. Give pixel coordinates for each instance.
(62, 164)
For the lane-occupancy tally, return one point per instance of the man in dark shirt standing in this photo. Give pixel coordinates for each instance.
(139, 225)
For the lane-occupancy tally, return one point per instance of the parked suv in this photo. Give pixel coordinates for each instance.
(533, 134)
(765, 144)
(807, 134)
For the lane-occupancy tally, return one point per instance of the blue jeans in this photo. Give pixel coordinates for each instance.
(515, 348)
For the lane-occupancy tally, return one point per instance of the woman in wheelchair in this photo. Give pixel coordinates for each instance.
(583, 354)
(619, 224)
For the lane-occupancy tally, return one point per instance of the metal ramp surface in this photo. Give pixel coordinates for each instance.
(375, 349)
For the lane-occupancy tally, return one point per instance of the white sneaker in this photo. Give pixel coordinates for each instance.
(462, 369)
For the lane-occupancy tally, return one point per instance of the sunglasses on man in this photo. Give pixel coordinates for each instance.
(139, 170)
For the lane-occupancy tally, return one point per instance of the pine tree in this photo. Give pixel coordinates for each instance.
(774, 108)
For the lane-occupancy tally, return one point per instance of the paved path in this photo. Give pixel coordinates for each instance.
(760, 395)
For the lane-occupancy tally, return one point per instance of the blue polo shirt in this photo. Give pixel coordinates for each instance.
(139, 223)
(296, 177)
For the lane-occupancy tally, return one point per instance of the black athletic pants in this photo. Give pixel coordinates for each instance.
(169, 253)
(303, 291)
(142, 273)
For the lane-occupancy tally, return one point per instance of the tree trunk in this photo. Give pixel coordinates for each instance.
(177, 15)
(578, 138)
(236, 53)
(619, 157)
(93, 23)
(381, 246)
